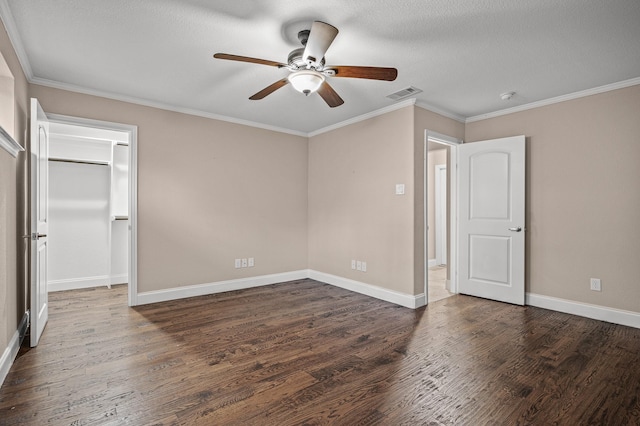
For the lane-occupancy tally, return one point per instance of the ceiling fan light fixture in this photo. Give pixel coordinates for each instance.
(306, 81)
(307, 73)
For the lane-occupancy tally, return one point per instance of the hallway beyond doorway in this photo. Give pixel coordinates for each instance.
(438, 283)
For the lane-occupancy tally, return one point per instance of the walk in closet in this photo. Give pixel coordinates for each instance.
(88, 207)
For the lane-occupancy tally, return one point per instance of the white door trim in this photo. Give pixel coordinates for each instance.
(133, 188)
(453, 212)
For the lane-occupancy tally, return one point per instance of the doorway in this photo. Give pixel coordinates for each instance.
(93, 180)
(491, 189)
(440, 206)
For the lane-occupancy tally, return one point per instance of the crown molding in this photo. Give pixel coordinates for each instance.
(198, 113)
(399, 105)
(160, 105)
(9, 144)
(358, 118)
(557, 99)
(439, 111)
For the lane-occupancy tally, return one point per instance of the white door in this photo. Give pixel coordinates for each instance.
(491, 219)
(441, 214)
(39, 187)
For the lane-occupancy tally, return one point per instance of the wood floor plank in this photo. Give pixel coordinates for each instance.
(304, 352)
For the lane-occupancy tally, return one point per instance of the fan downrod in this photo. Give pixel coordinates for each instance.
(303, 36)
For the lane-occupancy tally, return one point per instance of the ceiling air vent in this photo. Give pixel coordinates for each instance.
(404, 93)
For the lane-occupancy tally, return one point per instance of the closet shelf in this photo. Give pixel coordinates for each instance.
(67, 160)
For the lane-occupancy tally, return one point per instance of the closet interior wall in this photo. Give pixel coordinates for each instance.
(88, 207)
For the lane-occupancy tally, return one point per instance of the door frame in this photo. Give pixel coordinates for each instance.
(132, 130)
(453, 210)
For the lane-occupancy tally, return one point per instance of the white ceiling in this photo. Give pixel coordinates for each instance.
(463, 54)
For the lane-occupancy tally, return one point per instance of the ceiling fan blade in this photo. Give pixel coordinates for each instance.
(372, 73)
(248, 59)
(320, 38)
(270, 89)
(329, 95)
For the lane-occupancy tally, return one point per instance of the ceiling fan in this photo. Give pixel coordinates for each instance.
(308, 69)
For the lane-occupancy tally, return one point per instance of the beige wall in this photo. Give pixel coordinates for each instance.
(7, 99)
(12, 297)
(583, 196)
(353, 210)
(437, 156)
(208, 192)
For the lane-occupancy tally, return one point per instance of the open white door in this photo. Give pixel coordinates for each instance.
(491, 219)
(39, 186)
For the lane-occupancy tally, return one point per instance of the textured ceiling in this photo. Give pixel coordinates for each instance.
(461, 53)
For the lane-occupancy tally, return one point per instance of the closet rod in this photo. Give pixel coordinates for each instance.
(65, 160)
(121, 218)
(122, 144)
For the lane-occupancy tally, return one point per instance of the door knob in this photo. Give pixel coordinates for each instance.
(516, 229)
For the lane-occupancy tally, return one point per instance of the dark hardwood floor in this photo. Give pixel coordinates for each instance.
(306, 353)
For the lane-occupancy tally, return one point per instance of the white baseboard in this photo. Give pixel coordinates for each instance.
(9, 354)
(419, 300)
(432, 262)
(77, 283)
(402, 299)
(398, 298)
(602, 313)
(217, 287)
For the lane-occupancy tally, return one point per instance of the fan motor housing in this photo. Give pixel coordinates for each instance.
(295, 60)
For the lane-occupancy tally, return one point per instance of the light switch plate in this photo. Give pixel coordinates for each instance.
(399, 188)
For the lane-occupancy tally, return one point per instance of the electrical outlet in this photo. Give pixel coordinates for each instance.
(353, 264)
(358, 265)
(364, 266)
(252, 262)
(245, 263)
(596, 285)
(238, 263)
